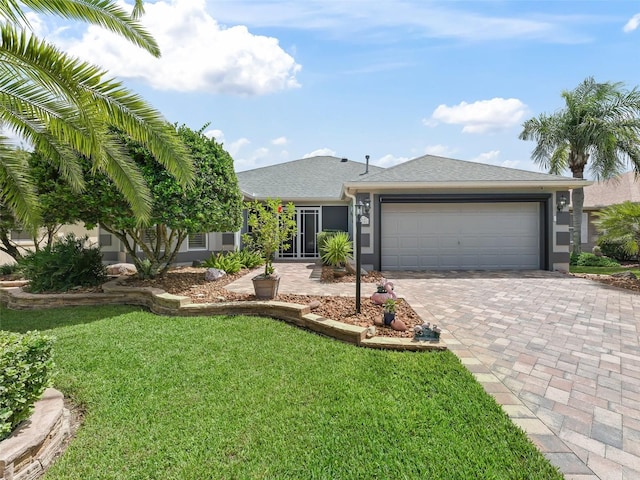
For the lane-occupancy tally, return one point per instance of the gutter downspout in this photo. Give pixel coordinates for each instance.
(353, 218)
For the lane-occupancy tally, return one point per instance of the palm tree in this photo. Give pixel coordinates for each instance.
(65, 108)
(620, 223)
(599, 123)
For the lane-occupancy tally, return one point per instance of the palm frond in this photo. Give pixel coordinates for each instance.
(16, 190)
(105, 13)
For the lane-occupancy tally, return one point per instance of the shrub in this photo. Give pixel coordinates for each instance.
(591, 260)
(339, 250)
(224, 262)
(26, 369)
(614, 249)
(8, 268)
(248, 258)
(573, 259)
(321, 240)
(64, 265)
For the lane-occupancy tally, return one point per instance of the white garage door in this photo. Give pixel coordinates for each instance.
(460, 236)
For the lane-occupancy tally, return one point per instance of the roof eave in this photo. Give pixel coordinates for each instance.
(252, 197)
(504, 184)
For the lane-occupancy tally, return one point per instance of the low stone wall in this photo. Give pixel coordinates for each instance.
(162, 303)
(34, 444)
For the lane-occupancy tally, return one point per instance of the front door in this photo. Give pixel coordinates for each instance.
(303, 245)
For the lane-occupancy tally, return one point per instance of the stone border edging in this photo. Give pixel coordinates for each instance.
(163, 303)
(31, 448)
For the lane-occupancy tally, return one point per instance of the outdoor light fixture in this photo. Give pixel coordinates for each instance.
(361, 210)
(562, 202)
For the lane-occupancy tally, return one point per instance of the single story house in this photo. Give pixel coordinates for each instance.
(625, 187)
(429, 213)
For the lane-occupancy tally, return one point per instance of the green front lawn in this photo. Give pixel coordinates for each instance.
(602, 270)
(247, 398)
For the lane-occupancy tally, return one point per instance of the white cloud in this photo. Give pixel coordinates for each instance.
(632, 24)
(487, 157)
(389, 161)
(482, 116)
(215, 133)
(279, 141)
(492, 158)
(321, 152)
(430, 19)
(198, 54)
(234, 147)
(440, 150)
(12, 138)
(256, 159)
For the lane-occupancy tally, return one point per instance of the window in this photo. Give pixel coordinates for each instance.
(198, 241)
(105, 240)
(148, 238)
(21, 236)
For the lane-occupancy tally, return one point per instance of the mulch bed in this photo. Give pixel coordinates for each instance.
(190, 282)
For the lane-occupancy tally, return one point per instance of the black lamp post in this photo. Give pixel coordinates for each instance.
(361, 210)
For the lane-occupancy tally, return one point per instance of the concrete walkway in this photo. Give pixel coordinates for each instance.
(560, 354)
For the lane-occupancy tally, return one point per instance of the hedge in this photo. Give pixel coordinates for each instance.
(26, 370)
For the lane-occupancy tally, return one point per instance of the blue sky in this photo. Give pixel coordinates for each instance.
(280, 80)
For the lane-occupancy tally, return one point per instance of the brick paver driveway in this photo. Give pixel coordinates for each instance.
(561, 354)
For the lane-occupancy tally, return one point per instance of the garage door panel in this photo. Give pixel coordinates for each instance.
(460, 236)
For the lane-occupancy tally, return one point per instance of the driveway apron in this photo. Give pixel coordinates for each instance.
(561, 354)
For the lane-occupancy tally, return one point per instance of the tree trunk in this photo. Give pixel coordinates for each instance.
(9, 248)
(577, 201)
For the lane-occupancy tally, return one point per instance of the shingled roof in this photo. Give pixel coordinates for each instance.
(434, 169)
(315, 178)
(609, 192)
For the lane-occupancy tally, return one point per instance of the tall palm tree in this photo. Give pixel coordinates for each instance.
(64, 107)
(600, 123)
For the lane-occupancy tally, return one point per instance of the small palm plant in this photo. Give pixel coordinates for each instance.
(620, 223)
(338, 250)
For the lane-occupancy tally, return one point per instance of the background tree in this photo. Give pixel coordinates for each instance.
(620, 223)
(62, 107)
(58, 204)
(599, 126)
(213, 203)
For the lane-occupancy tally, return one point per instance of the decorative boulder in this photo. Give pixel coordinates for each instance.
(350, 267)
(121, 269)
(398, 325)
(213, 274)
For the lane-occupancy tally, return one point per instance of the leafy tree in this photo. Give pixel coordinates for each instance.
(620, 223)
(58, 204)
(213, 203)
(62, 107)
(599, 126)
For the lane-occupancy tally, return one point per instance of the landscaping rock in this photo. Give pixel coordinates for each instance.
(314, 305)
(398, 325)
(121, 269)
(213, 274)
(350, 267)
(625, 275)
